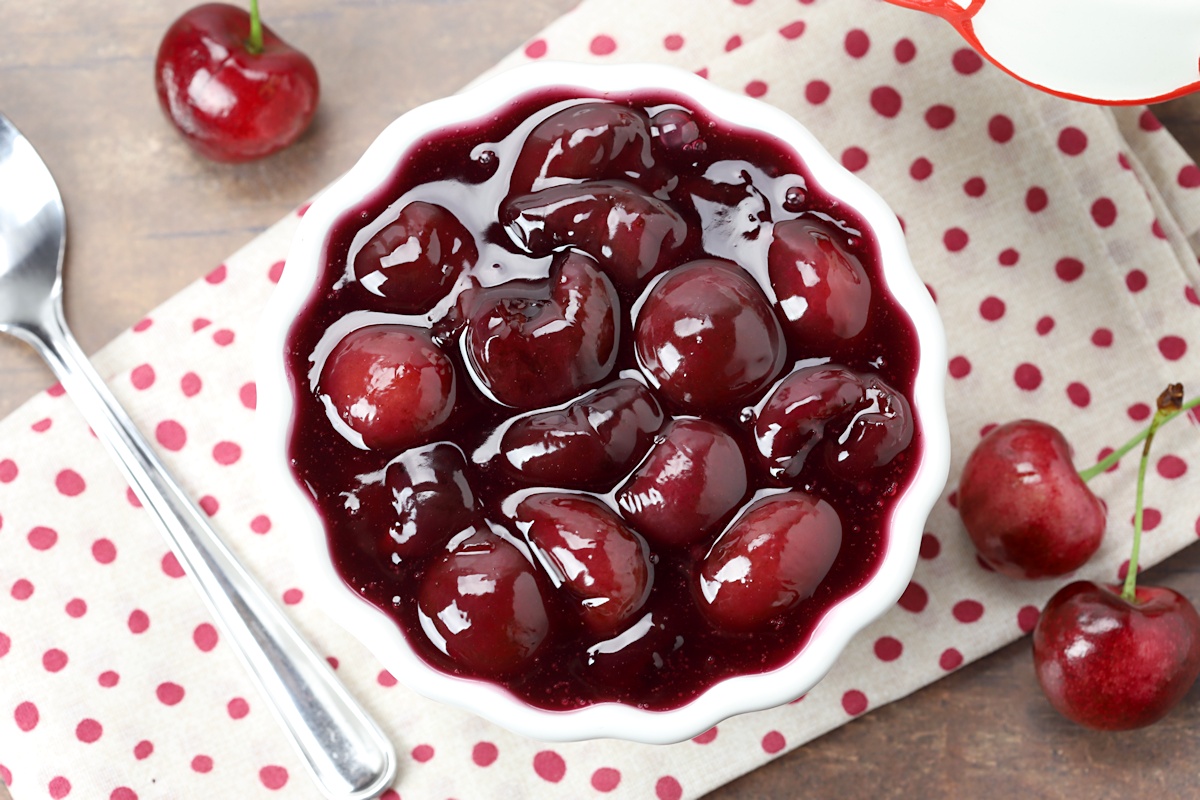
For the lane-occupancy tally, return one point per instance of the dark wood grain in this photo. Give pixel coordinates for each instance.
(147, 217)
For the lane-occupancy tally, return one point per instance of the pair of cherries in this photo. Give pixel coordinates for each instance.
(1107, 657)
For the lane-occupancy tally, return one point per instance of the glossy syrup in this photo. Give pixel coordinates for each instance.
(466, 169)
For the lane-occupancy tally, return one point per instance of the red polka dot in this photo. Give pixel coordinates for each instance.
(960, 367)
(1072, 141)
(171, 435)
(773, 742)
(793, 30)
(1102, 337)
(968, 610)
(950, 659)
(275, 272)
(707, 737)
(223, 337)
(702, 72)
(940, 117)
(1188, 292)
(170, 566)
(1157, 229)
(1138, 412)
(886, 101)
(1027, 377)
(667, 788)
(1171, 467)
(385, 678)
(955, 239)
(202, 764)
(1172, 348)
(484, 754)
(606, 779)
(914, 599)
(991, 309)
(1000, 129)
(142, 325)
(333, 662)
(1151, 518)
(1104, 212)
(169, 693)
(261, 524)
(273, 777)
(139, 621)
(76, 607)
(123, 793)
(227, 453)
(108, 679)
(1036, 199)
(1027, 618)
(816, 92)
(69, 483)
(857, 43)
(1148, 121)
(237, 708)
(854, 702)
(54, 660)
(733, 43)
(1079, 394)
(905, 51)
(59, 787)
(549, 766)
(190, 384)
(209, 504)
(5, 644)
(602, 45)
(42, 538)
(1068, 269)
(1189, 176)
(26, 716)
(217, 275)
(930, 546)
(756, 88)
(88, 731)
(966, 61)
(1136, 280)
(8, 471)
(1008, 257)
(673, 42)
(536, 49)
(142, 376)
(888, 648)
(248, 394)
(921, 169)
(293, 596)
(854, 158)
(22, 589)
(390, 794)
(42, 425)
(205, 637)
(1044, 325)
(132, 498)
(142, 750)
(975, 187)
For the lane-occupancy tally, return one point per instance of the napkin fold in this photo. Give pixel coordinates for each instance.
(1060, 241)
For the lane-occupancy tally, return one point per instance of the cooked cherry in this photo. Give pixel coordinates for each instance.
(587, 550)
(693, 478)
(634, 658)
(856, 421)
(822, 290)
(773, 557)
(414, 260)
(591, 443)
(481, 606)
(543, 342)
(676, 129)
(390, 384)
(707, 338)
(631, 233)
(431, 499)
(584, 141)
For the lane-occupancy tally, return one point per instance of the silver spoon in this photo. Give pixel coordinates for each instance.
(347, 754)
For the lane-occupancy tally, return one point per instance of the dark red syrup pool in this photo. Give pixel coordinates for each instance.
(603, 399)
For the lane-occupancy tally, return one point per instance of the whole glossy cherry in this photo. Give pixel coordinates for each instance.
(430, 498)
(585, 141)
(1024, 505)
(1112, 664)
(234, 90)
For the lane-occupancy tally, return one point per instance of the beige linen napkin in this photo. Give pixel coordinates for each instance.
(1056, 237)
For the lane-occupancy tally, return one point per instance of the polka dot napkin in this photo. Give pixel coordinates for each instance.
(1058, 239)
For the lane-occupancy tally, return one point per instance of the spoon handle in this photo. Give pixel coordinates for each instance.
(345, 751)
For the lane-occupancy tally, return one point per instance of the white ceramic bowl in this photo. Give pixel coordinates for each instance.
(607, 720)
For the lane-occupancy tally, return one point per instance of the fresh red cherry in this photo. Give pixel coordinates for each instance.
(1024, 505)
(415, 260)
(856, 421)
(583, 142)
(692, 479)
(430, 498)
(233, 89)
(1111, 664)
(390, 384)
(822, 290)
(588, 550)
(481, 606)
(631, 233)
(707, 338)
(772, 558)
(544, 342)
(590, 444)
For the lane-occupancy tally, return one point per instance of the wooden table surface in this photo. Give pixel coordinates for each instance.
(147, 217)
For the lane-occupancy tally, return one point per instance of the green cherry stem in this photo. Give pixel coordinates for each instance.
(1115, 456)
(1170, 402)
(255, 44)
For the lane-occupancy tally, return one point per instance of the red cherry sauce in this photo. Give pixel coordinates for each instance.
(712, 190)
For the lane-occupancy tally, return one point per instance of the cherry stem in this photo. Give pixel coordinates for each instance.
(1170, 402)
(255, 44)
(1112, 458)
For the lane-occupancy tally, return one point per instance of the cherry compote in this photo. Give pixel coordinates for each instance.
(603, 399)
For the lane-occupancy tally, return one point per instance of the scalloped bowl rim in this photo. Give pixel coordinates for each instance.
(370, 625)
